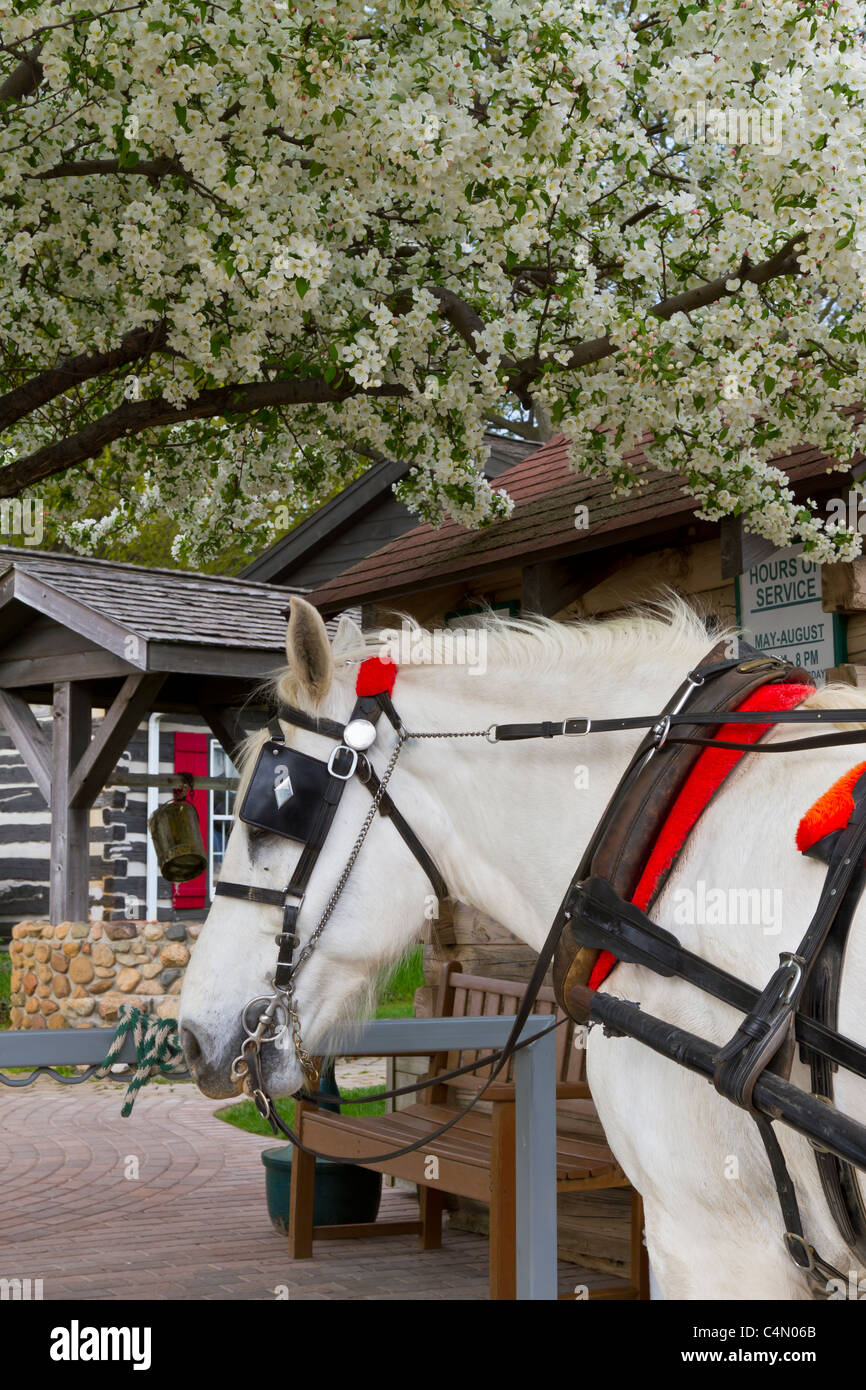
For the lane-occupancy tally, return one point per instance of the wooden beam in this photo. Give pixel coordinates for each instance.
(846, 674)
(258, 664)
(74, 666)
(172, 781)
(843, 587)
(132, 702)
(69, 871)
(26, 733)
(551, 585)
(226, 727)
(740, 548)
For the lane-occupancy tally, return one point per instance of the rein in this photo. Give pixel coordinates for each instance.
(279, 1016)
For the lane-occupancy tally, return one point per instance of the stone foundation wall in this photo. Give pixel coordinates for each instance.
(77, 974)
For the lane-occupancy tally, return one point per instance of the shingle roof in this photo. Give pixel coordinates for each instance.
(546, 494)
(161, 605)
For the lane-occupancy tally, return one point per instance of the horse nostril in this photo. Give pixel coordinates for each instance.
(191, 1047)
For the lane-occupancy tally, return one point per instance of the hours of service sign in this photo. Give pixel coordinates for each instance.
(779, 611)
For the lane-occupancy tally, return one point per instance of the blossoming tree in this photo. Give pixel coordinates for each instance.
(246, 245)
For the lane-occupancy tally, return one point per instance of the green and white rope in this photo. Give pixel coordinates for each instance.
(157, 1049)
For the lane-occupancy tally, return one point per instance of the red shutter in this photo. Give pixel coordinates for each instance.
(191, 755)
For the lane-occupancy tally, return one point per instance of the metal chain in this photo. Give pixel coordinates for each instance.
(461, 733)
(356, 850)
(240, 1068)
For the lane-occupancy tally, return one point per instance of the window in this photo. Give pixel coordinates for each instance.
(221, 812)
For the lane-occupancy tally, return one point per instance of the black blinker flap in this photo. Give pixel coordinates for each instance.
(285, 792)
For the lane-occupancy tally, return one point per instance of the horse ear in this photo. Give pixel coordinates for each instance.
(348, 636)
(308, 650)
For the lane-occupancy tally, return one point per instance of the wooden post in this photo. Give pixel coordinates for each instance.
(70, 825)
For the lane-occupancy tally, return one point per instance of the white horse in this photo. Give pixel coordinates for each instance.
(507, 825)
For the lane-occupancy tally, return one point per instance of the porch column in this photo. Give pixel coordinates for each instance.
(69, 874)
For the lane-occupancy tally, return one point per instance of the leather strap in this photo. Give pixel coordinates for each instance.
(603, 920)
(801, 1252)
(629, 827)
(821, 1003)
(740, 1062)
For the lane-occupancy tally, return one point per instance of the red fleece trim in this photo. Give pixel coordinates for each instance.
(376, 677)
(832, 811)
(704, 780)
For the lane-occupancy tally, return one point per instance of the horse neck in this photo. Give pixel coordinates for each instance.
(512, 819)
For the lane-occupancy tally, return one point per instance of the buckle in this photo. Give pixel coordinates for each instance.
(343, 776)
(571, 732)
(661, 731)
(795, 966)
(800, 1250)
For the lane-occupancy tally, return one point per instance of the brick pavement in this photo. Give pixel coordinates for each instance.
(193, 1224)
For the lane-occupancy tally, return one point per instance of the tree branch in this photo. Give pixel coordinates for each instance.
(783, 262)
(135, 416)
(79, 168)
(73, 371)
(24, 79)
(522, 428)
(462, 317)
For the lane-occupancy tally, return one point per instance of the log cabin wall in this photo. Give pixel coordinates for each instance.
(118, 837)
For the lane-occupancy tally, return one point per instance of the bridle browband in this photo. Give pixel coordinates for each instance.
(348, 759)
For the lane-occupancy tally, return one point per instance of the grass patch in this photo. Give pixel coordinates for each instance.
(396, 998)
(5, 987)
(244, 1114)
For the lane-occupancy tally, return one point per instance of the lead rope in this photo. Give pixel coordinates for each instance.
(157, 1049)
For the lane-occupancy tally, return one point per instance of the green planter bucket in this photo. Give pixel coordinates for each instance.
(345, 1195)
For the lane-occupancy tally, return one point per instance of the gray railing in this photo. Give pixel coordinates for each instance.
(535, 1102)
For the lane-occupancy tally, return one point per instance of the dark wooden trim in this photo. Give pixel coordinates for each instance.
(302, 543)
(550, 586)
(130, 705)
(29, 738)
(111, 636)
(226, 728)
(740, 549)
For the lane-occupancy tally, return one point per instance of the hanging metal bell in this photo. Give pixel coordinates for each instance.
(176, 835)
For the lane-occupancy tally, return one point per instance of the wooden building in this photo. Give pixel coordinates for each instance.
(571, 550)
(123, 878)
(108, 671)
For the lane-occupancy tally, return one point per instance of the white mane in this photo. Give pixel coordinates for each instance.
(542, 644)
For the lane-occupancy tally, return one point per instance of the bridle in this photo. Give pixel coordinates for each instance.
(347, 760)
(268, 1018)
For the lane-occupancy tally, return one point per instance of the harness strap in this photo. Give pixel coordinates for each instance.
(763, 1030)
(272, 896)
(821, 1002)
(600, 918)
(567, 728)
(804, 1255)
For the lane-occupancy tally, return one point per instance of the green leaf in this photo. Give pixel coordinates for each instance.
(845, 240)
(302, 286)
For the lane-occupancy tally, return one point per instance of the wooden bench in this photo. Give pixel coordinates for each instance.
(476, 1156)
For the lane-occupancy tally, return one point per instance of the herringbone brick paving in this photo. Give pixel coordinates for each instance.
(193, 1224)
